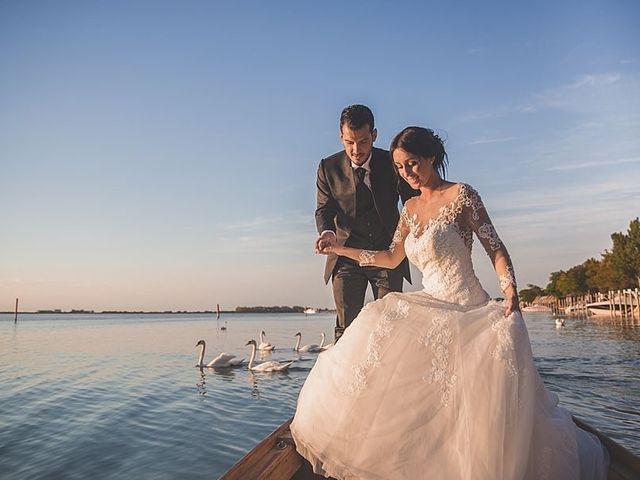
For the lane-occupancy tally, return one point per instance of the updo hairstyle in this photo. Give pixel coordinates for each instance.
(424, 143)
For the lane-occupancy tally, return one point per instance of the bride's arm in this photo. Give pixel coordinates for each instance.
(389, 258)
(478, 219)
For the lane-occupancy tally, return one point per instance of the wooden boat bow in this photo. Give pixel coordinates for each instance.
(276, 458)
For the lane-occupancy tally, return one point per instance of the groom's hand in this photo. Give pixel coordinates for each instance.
(326, 239)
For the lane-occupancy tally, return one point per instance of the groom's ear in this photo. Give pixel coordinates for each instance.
(374, 135)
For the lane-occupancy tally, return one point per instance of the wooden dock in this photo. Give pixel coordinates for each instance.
(623, 305)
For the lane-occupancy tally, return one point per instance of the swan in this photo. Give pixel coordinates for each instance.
(324, 347)
(265, 345)
(271, 366)
(559, 322)
(307, 348)
(224, 360)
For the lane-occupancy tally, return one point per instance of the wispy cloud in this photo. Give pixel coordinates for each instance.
(288, 234)
(485, 140)
(268, 223)
(476, 50)
(594, 164)
(595, 140)
(594, 80)
(485, 114)
(543, 197)
(588, 92)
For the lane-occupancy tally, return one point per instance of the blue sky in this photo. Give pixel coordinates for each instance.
(162, 155)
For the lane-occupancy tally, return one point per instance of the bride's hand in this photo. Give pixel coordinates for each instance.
(512, 305)
(330, 249)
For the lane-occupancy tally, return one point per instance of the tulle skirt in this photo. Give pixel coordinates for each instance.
(420, 388)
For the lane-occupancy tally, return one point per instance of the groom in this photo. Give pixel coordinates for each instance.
(357, 206)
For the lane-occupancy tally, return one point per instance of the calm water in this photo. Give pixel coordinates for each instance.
(118, 396)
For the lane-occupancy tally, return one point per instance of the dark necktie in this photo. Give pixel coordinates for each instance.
(364, 198)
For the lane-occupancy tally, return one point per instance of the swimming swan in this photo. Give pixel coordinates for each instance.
(271, 366)
(224, 360)
(313, 348)
(265, 346)
(559, 322)
(324, 347)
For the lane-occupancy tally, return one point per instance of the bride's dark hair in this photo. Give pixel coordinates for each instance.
(424, 143)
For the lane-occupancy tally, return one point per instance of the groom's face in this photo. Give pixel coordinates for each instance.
(358, 143)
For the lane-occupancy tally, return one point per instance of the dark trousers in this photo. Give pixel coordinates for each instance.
(350, 282)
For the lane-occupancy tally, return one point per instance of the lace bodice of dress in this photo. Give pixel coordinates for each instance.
(441, 250)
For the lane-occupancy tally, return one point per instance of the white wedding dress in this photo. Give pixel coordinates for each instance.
(439, 384)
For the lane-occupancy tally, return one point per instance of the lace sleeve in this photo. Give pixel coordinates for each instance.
(478, 219)
(395, 253)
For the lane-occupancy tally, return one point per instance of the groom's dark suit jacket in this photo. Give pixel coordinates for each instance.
(336, 207)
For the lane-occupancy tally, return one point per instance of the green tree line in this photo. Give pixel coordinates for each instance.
(617, 269)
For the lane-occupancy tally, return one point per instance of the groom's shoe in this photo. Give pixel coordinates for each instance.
(338, 332)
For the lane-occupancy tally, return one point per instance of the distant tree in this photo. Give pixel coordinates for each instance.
(530, 293)
(597, 275)
(552, 286)
(577, 280)
(618, 269)
(624, 257)
(571, 282)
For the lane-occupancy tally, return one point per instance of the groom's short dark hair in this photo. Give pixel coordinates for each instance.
(357, 116)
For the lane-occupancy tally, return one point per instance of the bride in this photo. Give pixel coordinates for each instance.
(438, 383)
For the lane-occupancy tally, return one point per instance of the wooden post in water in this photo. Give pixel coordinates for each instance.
(627, 300)
(610, 299)
(15, 318)
(620, 300)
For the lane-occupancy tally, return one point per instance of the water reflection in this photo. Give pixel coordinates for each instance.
(201, 382)
(226, 374)
(253, 381)
(264, 354)
(305, 356)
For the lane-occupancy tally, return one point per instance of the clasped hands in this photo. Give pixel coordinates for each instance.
(325, 243)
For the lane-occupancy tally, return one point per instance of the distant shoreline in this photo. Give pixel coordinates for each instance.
(170, 312)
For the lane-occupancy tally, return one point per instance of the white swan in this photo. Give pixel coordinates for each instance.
(271, 366)
(265, 346)
(559, 322)
(324, 347)
(313, 348)
(224, 360)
